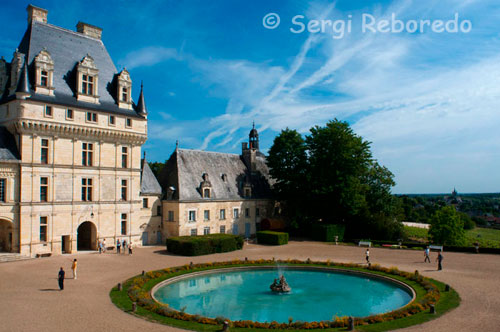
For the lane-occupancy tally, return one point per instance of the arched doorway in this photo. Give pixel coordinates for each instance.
(86, 236)
(6, 236)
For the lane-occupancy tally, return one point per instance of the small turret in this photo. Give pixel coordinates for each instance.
(253, 138)
(141, 104)
(23, 88)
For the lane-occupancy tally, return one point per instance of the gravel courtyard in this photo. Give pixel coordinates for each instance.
(30, 299)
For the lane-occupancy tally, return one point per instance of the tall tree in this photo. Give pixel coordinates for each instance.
(447, 227)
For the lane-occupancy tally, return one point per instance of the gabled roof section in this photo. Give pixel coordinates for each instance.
(8, 147)
(227, 173)
(67, 49)
(149, 183)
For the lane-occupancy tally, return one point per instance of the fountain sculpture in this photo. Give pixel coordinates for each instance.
(280, 286)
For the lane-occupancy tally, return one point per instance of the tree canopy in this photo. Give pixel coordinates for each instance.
(447, 227)
(331, 176)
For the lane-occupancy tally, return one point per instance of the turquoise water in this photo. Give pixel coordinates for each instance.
(315, 295)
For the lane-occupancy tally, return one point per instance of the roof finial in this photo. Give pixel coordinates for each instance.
(177, 144)
(144, 154)
(253, 124)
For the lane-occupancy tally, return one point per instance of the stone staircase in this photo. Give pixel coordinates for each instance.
(12, 257)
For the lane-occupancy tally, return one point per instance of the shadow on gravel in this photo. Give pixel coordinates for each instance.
(49, 290)
(164, 252)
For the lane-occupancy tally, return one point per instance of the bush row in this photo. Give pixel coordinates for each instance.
(204, 245)
(273, 238)
(139, 294)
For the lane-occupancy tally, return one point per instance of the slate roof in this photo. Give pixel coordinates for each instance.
(67, 48)
(8, 147)
(149, 183)
(185, 168)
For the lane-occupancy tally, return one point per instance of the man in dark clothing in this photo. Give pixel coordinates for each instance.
(60, 279)
(439, 259)
(118, 245)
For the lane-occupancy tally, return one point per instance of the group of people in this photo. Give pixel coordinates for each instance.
(119, 245)
(427, 258)
(62, 274)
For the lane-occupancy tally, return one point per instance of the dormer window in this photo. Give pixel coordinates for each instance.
(44, 73)
(87, 85)
(87, 80)
(44, 78)
(206, 186)
(124, 90)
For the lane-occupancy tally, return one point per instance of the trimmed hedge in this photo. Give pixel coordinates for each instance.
(273, 238)
(327, 232)
(204, 244)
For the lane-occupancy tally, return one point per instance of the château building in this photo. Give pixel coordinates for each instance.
(71, 172)
(211, 192)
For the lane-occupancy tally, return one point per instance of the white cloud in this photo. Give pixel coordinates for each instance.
(149, 56)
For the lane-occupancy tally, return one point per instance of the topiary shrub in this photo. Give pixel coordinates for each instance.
(273, 238)
(204, 244)
(327, 232)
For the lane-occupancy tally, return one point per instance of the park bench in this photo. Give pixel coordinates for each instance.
(364, 243)
(391, 246)
(45, 254)
(436, 248)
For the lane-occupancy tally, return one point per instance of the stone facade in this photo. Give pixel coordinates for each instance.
(77, 177)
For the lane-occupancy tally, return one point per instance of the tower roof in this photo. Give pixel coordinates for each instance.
(253, 132)
(141, 104)
(23, 85)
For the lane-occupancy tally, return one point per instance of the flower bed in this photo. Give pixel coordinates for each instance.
(138, 291)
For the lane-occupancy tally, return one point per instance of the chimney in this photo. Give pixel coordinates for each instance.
(89, 30)
(36, 14)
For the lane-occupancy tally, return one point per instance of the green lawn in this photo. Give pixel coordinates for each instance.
(487, 237)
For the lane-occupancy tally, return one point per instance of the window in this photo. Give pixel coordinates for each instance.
(86, 190)
(44, 78)
(128, 122)
(206, 193)
(247, 212)
(222, 214)
(112, 120)
(69, 114)
(87, 154)
(144, 202)
(124, 157)
(158, 210)
(194, 231)
(236, 213)
(170, 215)
(124, 190)
(91, 117)
(87, 85)
(44, 153)
(44, 189)
(248, 193)
(125, 94)
(124, 224)
(48, 111)
(2, 190)
(43, 229)
(192, 215)
(206, 215)
(206, 230)
(257, 212)
(223, 229)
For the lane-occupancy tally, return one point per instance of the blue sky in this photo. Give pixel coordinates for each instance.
(429, 102)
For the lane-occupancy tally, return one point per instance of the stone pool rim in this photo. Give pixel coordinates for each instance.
(400, 284)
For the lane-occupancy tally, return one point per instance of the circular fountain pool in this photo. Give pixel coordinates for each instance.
(316, 294)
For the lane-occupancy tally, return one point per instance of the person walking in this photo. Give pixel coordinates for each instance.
(426, 254)
(100, 246)
(130, 248)
(367, 254)
(439, 259)
(103, 245)
(118, 245)
(73, 267)
(124, 246)
(60, 278)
